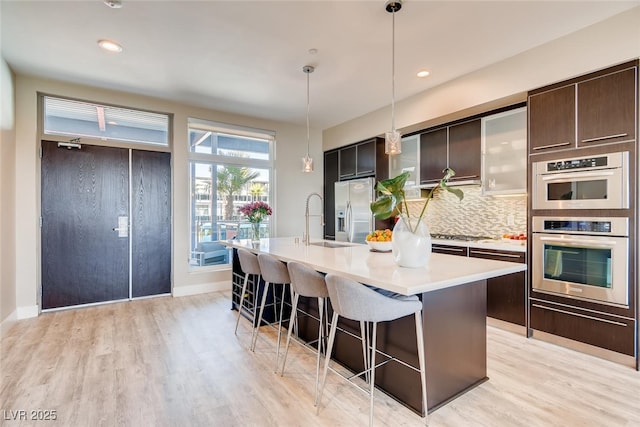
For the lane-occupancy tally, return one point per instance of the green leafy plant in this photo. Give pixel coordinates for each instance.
(391, 199)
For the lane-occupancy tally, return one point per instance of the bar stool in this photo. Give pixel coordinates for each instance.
(273, 271)
(307, 282)
(355, 301)
(250, 266)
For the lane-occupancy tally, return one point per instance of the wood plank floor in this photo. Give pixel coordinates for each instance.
(176, 362)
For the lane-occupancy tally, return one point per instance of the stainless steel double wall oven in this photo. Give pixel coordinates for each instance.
(583, 257)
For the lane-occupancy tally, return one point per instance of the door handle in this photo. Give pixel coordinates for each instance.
(123, 226)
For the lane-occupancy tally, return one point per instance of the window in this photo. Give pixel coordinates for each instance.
(89, 120)
(230, 166)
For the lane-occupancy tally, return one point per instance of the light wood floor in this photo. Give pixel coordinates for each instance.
(176, 362)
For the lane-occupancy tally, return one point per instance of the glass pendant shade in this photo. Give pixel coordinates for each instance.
(307, 164)
(392, 142)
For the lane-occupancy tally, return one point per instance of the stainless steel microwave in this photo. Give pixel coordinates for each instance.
(595, 182)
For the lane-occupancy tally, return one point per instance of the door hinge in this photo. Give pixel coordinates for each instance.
(40, 222)
(40, 154)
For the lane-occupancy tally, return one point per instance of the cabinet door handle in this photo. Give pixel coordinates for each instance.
(600, 138)
(578, 315)
(464, 177)
(542, 147)
(367, 171)
(495, 254)
(445, 248)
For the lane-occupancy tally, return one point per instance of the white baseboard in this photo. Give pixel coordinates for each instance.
(201, 288)
(27, 312)
(8, 322)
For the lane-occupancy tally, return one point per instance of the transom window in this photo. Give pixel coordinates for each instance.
(105, 122)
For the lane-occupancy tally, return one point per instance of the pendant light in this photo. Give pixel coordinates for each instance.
(307, 161)
(392, 141)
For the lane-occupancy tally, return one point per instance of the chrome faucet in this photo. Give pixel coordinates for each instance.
(306, 238)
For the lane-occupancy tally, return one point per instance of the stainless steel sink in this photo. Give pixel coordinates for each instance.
(331, 244)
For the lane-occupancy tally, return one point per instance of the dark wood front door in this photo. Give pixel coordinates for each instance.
(88, 248)
(150, 223)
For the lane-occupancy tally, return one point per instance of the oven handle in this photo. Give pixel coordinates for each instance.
(589, 241)
(560, 176)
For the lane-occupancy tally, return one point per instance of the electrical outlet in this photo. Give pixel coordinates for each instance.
(510, 220)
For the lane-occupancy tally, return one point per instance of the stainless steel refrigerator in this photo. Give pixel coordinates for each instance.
(354, 219)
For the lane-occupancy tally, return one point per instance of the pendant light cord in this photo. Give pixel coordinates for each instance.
(393, 70)
(308, 137)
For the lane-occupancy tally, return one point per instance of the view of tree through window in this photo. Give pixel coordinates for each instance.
(229, 167)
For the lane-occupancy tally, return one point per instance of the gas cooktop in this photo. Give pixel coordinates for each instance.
(459, 237)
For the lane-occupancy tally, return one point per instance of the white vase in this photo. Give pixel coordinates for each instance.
(411, 243)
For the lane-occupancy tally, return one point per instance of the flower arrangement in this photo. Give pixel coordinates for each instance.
(391, 201)
(256, 211)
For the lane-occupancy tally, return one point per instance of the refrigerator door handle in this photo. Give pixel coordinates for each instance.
(347, 222)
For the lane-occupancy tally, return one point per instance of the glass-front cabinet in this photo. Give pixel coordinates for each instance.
(408, 161)
(504, 152)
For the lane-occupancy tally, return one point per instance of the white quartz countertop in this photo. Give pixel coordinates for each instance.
(357, 262)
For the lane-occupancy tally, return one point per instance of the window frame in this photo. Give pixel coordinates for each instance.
(216, 160)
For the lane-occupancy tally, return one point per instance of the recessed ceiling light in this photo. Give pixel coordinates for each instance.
(114, 4)
(423, 73)
(110, 45)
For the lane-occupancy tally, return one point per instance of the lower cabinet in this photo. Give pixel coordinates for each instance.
(599, 329)
(506, 295)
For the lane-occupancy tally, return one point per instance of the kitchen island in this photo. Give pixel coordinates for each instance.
(453, 294)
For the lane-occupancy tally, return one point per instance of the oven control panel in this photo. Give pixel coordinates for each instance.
(577, 225)
(590, 162)
(602, 226)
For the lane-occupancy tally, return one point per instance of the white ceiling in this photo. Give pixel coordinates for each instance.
(246, 57)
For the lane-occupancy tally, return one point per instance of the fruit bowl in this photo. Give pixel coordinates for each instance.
(379, 246)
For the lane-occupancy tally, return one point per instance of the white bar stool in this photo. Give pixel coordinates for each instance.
(307, 282)
(355, 301)
(273, 271)
(250, 266)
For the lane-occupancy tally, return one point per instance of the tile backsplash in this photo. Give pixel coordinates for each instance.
(476, 214)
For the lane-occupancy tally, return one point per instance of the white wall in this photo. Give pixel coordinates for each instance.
(290, 189)
(7, 201)
(606, 43)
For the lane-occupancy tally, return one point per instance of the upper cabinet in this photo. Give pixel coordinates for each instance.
(599, 108)
(407, 161)
(607, 108)
(358, 160)
(552, 119)
(457, 146)
(504, 152)
(465, 150)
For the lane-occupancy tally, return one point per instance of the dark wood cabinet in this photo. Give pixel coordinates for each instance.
(331, 176)
(465, 150)
(366, 158)
(433, 155)
(552, 119)
(358, 161)
(607, 108)
(603, 330)
(598, 108)
(347, 162)
(458, 146)
(506, 295)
